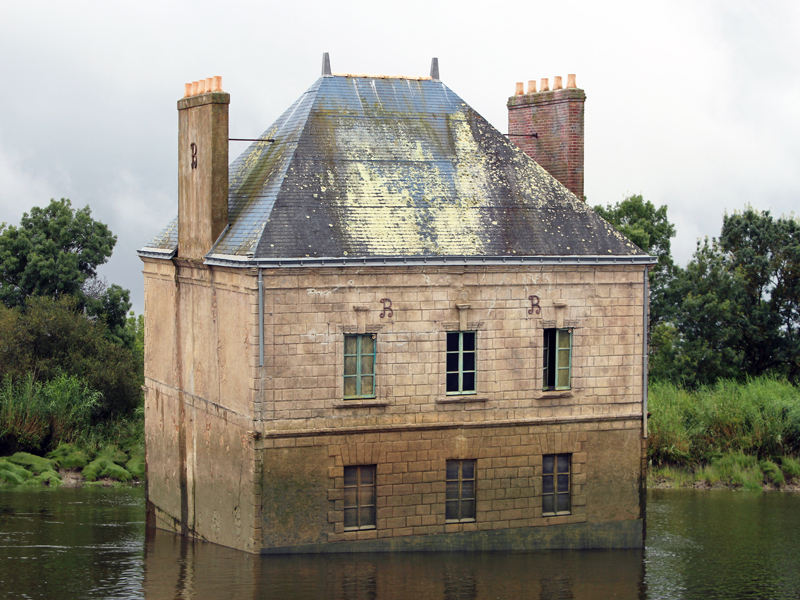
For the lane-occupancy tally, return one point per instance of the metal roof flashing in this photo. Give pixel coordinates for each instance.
(416, 261)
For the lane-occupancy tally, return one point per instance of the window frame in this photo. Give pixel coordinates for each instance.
(553, 356)
(460, 352)
(463, 513)
(555, 478)
(360, 489)
(358, 376)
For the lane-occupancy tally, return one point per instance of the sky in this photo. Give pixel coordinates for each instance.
(692, 104)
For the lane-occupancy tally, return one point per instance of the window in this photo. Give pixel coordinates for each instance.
(460, 491)
(359, 497)
(359, 366)
(556, 484)
(461, 362)
(557, 359)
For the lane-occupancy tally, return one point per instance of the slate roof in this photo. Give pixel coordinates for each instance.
(389, 167)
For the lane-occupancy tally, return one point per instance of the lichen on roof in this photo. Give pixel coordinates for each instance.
(389, 167)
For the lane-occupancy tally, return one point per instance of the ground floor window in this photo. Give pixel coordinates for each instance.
(359, 497)
(556, 484)
(460, 496)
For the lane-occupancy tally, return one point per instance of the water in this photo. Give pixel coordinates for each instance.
(91, 543)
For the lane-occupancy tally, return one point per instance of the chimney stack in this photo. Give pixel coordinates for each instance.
(202, 166)
(548, 127)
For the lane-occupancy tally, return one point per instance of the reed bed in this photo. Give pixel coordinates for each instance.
(743, 434)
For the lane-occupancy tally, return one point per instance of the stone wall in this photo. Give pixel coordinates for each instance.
(303, 488)
(200, 370)
(308, 312)
(251, 457)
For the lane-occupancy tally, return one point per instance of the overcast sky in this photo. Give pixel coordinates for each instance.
(693, 104)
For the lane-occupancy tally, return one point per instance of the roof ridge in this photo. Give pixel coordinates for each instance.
(367, 76)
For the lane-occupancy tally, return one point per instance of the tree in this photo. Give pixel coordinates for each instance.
(764, 253)
(735, 309)
(55, 252)
(700, 342)
(51, 337)
(647, 227)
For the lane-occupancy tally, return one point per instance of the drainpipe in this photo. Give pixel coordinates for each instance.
(645, 327)
(261, 318)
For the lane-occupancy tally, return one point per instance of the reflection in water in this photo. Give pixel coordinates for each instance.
(91, 543)
(722, 544)
(71, 543)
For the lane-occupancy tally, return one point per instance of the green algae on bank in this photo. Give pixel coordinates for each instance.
(69, 465)
(734, 470)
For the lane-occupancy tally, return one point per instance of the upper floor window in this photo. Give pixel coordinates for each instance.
(359, 366)
(460, 362)
(557, 359)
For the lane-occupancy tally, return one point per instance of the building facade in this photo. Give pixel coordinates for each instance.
(385, 327)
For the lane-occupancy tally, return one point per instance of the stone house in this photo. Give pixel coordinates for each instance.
(385, 327)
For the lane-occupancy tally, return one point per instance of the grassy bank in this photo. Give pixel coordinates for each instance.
(50, 433)
(739, 434)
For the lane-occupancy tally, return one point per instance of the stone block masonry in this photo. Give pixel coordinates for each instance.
(410, 466)
(255, 455)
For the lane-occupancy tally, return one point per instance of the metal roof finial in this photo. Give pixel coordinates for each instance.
(326, 64)
(435, 69)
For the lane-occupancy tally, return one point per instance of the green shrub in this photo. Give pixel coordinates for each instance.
(772, 473)
(54, 337)
(36, 414)
(760, 418)
(24, 421)
(791, 467)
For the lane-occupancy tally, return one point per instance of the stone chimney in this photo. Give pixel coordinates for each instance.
(548, 126)
(202, 166)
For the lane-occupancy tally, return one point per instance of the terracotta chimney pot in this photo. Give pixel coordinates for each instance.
(187, 90)
(557, 82)
(531, 86)
(217, 84)
(571, 81)
(520, 90)
(545, 87)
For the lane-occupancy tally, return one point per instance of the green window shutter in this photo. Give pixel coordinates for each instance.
(563, 359)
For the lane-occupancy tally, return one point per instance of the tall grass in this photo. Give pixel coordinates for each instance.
(759, 418)
(37, 416)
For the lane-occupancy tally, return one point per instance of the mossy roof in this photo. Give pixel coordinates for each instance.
(389, 167)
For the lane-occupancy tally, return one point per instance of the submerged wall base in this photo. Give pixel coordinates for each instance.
(576, 536)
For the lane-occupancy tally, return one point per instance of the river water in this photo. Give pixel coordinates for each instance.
(92, 543)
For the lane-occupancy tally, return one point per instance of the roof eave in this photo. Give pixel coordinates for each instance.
(271, 263)
(161, 253)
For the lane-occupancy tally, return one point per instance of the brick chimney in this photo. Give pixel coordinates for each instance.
(202, 166)
(548, 126)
